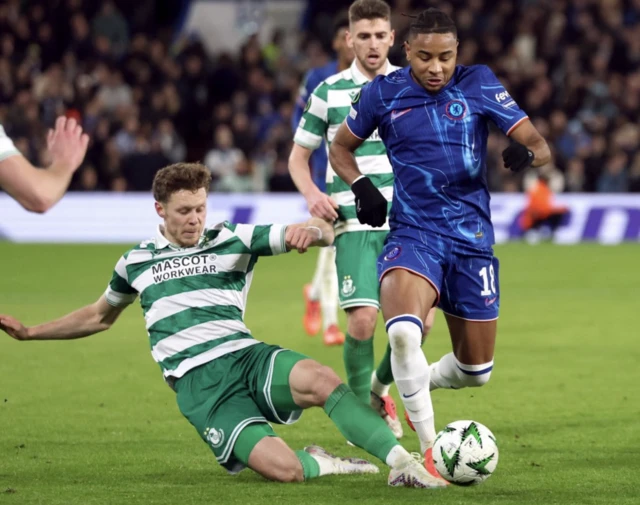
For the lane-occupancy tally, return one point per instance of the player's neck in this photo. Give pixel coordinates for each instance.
(172, 240)
(372, 75)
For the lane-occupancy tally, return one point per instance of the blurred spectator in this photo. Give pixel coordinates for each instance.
(147, 94)
(634, 174)
(240, 180)
(223, 159)
(614, 178)
(541, 217)
(111, 25)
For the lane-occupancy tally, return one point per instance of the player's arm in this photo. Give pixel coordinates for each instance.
(528, 147)
(315, 232)
(371, 206)
(38, 190)
(94, 318)
(272, 239)
(309, 134)
(526, 135)
(320, 204)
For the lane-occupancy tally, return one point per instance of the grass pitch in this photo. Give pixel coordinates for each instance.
(90, 421)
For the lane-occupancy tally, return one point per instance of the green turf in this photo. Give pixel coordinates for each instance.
(91, 422)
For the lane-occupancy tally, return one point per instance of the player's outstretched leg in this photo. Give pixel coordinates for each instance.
(312, 384)
(471, 362)
(404, 316)
(381, 382)
(261, 450)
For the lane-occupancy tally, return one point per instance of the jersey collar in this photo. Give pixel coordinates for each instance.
(417, 86)
(162, 241)
(360, 79)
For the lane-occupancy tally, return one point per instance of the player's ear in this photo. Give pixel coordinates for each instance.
(392, 37)
(160, 210)
(349, 39)
(407, 49)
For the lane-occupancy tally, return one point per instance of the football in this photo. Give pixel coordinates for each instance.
(465, 453)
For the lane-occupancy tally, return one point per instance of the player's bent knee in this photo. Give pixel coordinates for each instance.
(405, 334)
(325, 381)
(361, 322)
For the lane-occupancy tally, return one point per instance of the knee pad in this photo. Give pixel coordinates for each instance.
(405, 334)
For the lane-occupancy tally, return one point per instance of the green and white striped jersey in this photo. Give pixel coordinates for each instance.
(7, 148)
(327, 108)
(194, 298)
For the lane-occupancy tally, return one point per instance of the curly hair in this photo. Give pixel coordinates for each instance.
(179, 176)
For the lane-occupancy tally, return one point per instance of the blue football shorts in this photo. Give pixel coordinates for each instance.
(466, 279)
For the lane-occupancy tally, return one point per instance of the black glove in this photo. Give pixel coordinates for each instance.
(371, 206)
(517, 157)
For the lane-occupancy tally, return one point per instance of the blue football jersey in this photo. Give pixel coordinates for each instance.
(311, 81)
(437, 145)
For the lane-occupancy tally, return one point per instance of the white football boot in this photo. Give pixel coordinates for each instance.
(342, 465)
(412, 473)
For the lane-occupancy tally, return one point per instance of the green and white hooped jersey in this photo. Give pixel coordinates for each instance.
(7, 148)
(194, 298)
(327, 108)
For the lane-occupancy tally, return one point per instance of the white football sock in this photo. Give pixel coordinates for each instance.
(411, 374)
(397, 456)
(329, 287)
(449, 373)
(378, 387)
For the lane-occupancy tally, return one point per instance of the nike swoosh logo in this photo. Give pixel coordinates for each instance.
(489, 301)
(412, 394)
(396, 114)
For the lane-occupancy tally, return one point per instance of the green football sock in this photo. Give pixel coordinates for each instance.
(383, 372)
(310, 467)
(359, 423)
(358, 362)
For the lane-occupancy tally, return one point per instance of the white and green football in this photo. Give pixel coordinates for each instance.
(465, 453)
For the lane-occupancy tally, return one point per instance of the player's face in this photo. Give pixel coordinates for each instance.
(340, 46)
(371, 40)
(432, 57)
(184, 216)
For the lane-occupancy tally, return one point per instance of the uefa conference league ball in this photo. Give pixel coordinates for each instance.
(465, 453)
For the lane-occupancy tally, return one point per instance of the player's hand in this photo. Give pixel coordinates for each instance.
(67, 144)
(371, 206)
(323, 206)
(517, 157)
(301, 237)
(13, 327)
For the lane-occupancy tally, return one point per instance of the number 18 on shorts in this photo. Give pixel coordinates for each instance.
(466, 280)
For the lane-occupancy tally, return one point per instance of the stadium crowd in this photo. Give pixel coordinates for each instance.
(149, 96)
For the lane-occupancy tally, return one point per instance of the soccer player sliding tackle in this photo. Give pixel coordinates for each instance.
(433, 117)
(193, 284)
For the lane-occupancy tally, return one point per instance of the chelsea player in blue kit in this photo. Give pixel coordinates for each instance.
(433, 118)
